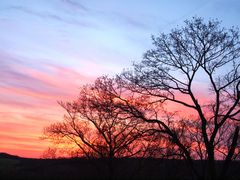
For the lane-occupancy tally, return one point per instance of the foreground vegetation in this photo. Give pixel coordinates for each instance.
(80, 168)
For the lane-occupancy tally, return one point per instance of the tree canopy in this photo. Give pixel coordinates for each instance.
(168, 73)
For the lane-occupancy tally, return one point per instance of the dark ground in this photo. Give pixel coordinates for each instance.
(12, 167)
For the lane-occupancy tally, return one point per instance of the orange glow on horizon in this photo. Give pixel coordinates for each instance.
(25, 112)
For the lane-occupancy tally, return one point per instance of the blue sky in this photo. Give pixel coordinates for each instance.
(110, 34)
(51, 47)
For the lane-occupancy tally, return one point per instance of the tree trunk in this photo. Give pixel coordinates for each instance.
(230, 153)
(110, 167)
(211, 168)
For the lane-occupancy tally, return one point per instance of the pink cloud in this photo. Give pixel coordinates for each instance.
(28, 96)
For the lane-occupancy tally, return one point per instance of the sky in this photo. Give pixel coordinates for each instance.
(49, 48)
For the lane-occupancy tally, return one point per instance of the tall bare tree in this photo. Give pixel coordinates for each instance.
(200, 52)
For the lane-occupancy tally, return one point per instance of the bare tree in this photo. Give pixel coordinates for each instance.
(97, 127)
(50, 153)
(198, 52)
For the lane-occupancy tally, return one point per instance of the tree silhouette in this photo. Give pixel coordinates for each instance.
(98, 127)
(49, 153)
(170, 73)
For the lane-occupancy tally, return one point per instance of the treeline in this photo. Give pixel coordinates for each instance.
(84, 168)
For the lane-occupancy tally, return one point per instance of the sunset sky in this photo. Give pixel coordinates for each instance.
(49, 48)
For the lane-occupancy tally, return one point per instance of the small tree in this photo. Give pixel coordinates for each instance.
(169, 74)
(50, 153)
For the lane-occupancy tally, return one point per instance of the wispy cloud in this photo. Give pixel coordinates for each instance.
(75, 5)
(128, 20)
(52, 16)
(45, 81)
(121, 19)
(28, 99)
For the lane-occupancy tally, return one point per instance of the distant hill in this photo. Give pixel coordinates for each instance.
(9, 156)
